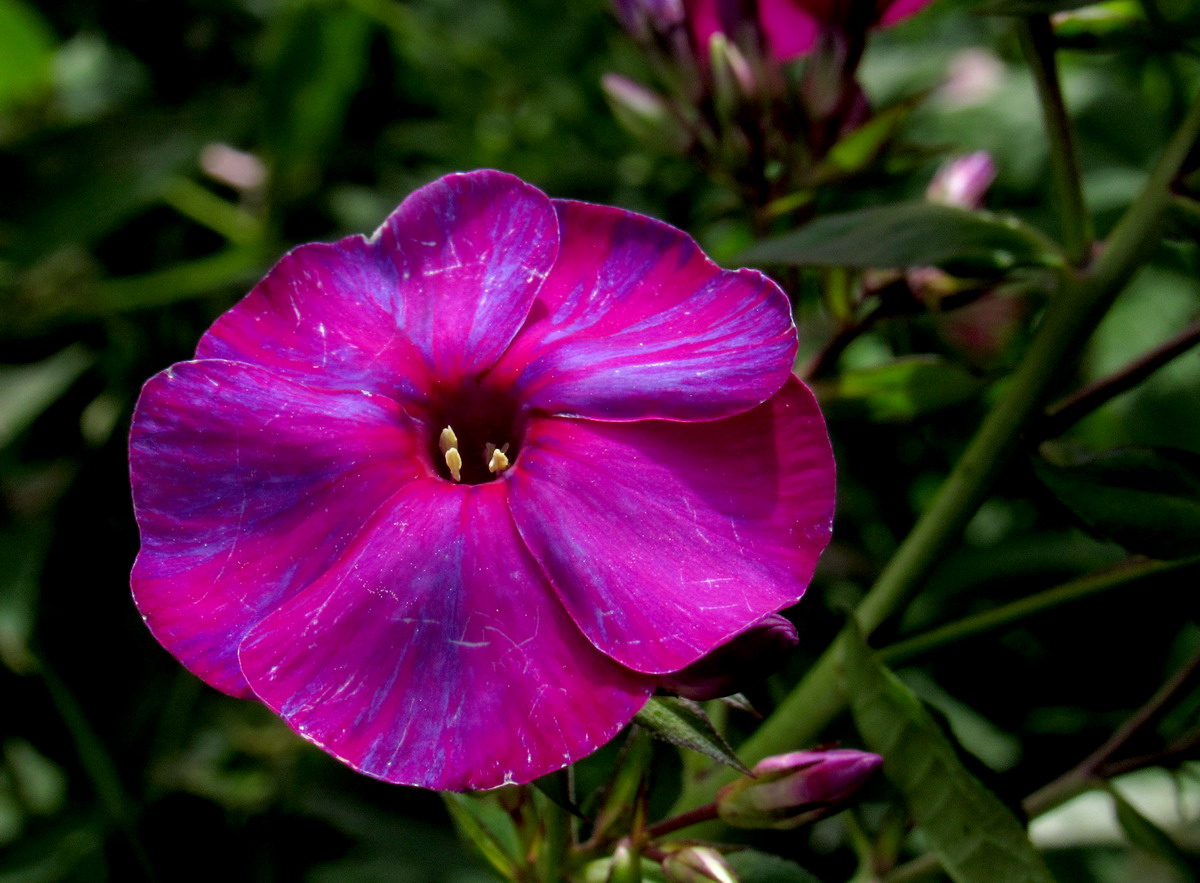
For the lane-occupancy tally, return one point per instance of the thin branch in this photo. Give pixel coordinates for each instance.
(1064, 414)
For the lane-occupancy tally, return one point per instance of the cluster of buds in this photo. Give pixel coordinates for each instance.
(732, 97)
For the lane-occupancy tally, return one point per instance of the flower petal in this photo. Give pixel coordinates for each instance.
(247, 487)
(634, 322)
(666, 539)
(791, 28)
(436, 655)
(445, 283)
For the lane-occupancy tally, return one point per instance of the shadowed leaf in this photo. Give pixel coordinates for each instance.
(974, 834)
(908, 235)
(1146, 499)
(684, 723)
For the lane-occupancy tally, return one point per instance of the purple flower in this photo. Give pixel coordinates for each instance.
(453, 498)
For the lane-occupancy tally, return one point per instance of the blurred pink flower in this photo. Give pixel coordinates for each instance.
(453, 499)
(790, 27)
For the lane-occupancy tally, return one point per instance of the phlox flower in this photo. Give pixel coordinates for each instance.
(791, 27)
(453, 499)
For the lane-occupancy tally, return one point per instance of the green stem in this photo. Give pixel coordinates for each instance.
(1066, 325)
(1037, 42)
(1140, 573)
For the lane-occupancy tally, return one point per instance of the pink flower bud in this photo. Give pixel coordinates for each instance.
(697, 864)
(749, 657)
(963, 180)
(789, 790)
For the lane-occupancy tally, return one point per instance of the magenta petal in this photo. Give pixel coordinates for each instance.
(791, 29)
(634, 322)
(246, 488)
(666, 539)
(446, 282)
(436, 655)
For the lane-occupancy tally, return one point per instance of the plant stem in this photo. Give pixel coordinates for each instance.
(705, 813)
(1069, 411)
(1130, 573)
(1094, 768)
(1068, 321)
(1079, 778)
(1037, 43)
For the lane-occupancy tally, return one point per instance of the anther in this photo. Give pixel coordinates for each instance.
(448, 443)
(498, 462)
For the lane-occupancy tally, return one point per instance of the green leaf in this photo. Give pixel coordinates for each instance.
(487, 829)
(1032, 7)
(28, 390)
(901, 390)
(684, 723)
(1145, 499)
(859, 148)
(26, 53)
(557, 788)
(317, 66)
(752, 866)
(974, 834)
(1147, 836)
(909, 235)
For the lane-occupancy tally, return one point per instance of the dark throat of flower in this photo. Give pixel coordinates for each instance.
(477, 438)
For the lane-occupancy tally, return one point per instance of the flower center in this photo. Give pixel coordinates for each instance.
(495, 457)
(476, 435)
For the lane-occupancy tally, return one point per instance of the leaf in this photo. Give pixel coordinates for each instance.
(317, 66)
(26, 53)
(859, 148)
(908, 235)
(1145, 499)
(28, 390)
(557, 788)
(1147, 836)
(974, 834)
(1032, 7)
(684, 723)
(752, 866)
(901, 390)
(487, 829)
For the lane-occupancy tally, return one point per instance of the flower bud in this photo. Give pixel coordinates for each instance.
(626, 866)
(789, 790)
(644, 17)
(643, 112)
(749, 657)
(963, 181)
(697, 864)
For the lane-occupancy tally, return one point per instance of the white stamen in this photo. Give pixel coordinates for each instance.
(447, 440)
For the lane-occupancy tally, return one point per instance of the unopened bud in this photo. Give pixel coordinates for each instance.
(643, 112)
(749, 657)
(963, 181)
(626, 866)
(697, 864)
(789, 790)
(644, 18)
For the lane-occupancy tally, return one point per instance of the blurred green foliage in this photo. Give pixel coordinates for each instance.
(156, 158)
